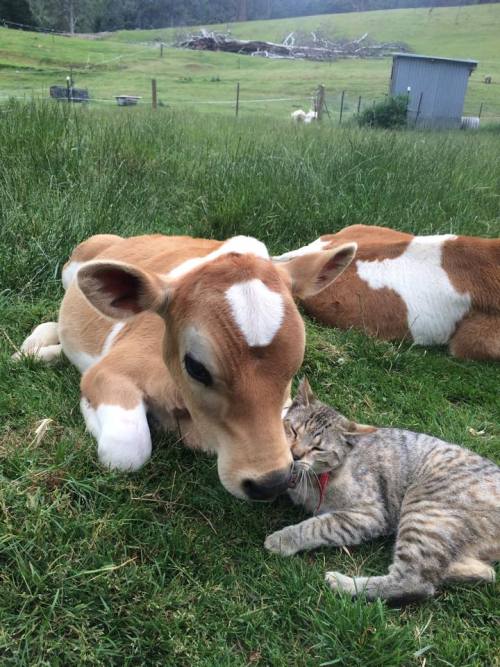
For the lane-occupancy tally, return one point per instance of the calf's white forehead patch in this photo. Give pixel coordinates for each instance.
(257, 310)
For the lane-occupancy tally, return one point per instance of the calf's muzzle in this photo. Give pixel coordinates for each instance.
(269, 486)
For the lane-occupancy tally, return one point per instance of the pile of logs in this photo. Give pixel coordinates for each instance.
(310, 46)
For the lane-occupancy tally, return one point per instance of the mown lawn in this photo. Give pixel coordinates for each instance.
(163, 567)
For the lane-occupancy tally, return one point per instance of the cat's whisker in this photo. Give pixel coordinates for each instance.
(304, 480)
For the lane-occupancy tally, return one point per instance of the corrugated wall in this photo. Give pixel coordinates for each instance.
(442, 85)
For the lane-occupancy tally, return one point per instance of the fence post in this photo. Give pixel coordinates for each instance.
(359, 104)
(237, 98)
(154, 98)
(341, 106)
(161, 50)
(418, 108)
(408, 91)
(320, 101)
(480, 110)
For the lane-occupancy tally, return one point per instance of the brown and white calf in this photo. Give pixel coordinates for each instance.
(203, 334)
(433, 290)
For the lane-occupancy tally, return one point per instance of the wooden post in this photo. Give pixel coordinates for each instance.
(359, 104)
(237, 97)
(154, 98)
(320, 101)
(161, 50)
(480, 110)
(341, 106)
(418, 108)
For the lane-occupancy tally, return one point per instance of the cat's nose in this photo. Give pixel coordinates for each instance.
(296, 457)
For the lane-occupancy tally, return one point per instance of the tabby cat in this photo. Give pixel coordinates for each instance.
(442, 501)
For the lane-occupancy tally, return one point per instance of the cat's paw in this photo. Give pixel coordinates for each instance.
(340, 583)
(282, 542)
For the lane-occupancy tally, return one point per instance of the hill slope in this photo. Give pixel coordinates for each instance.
(125, 61)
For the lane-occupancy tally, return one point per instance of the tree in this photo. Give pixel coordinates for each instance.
(16, 11)
(242, 11)
(65, 15)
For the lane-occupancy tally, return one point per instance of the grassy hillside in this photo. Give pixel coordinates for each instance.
(124, 62)
(163, 567)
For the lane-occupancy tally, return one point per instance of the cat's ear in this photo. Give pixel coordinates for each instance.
(353, 428)
(305, 394)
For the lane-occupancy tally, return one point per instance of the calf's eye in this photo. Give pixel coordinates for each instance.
(197, 370)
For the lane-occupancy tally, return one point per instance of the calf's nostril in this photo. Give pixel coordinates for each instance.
(268, 486)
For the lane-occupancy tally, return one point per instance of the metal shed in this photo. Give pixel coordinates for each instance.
(435, 87)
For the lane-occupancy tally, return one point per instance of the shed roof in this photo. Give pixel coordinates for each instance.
(472, 64)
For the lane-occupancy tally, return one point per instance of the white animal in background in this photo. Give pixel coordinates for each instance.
(300, 116)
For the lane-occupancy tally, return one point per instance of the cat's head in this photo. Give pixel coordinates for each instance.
(320, 437)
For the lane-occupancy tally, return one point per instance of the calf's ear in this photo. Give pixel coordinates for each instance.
(313, 271)
(120, 290)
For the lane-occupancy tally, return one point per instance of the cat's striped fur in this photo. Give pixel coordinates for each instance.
(440, 500)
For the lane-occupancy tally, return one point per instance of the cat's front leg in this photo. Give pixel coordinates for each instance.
(336, 529)
(285, 542)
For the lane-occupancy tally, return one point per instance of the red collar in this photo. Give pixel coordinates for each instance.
(323, 480)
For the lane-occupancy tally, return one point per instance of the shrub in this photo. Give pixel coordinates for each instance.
(390, 113)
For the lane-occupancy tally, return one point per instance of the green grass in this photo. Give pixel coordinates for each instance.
(163, 567)
(126, 61)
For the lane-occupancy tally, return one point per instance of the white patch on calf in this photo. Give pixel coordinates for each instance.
(257, 310)
(69, 273)
(315, 246)
(286, 407)
(42, 343)
(241, 245)
(83, 360)
(110, 338)
(43, 335)
(434, 305)
(123, 437)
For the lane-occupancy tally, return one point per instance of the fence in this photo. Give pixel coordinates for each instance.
(336, 107)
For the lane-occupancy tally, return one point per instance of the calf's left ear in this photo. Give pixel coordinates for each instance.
(120, 290)
(312, 272)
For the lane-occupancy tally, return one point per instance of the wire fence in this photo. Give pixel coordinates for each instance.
(339, 108)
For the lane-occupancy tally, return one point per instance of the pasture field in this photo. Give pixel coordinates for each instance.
(163, 567)
(125, 62)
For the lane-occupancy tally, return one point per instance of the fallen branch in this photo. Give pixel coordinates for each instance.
(294, 46)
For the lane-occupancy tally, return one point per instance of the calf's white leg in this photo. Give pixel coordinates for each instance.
(115, 414)
(43, 343)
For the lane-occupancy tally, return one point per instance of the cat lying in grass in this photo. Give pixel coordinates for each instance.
(440, 500)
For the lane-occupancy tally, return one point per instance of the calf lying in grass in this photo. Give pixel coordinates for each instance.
(204, 335)
(434, 290)
(441, 501)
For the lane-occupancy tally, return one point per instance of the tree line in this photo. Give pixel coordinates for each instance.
(101, 15)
